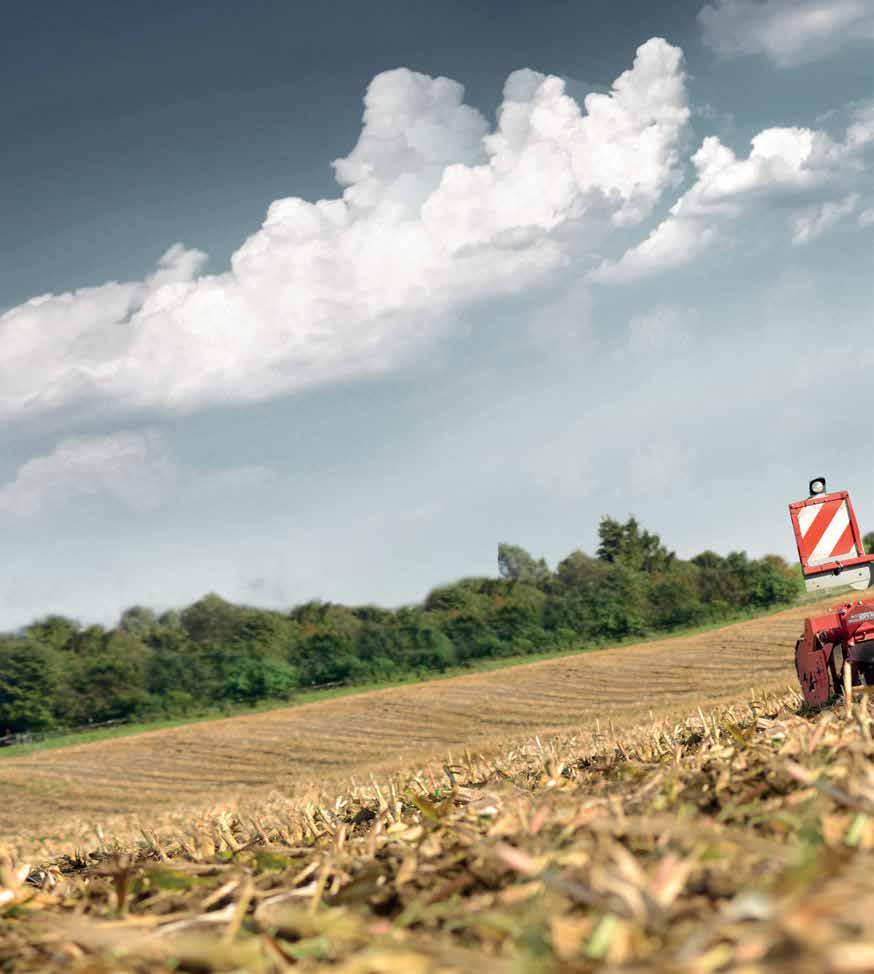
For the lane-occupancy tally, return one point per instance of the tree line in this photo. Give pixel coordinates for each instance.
(213, 654)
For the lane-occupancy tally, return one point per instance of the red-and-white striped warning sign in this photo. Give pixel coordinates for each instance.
(826, 530)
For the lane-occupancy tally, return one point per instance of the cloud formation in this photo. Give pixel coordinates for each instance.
(437, 213)
(133, 467)
(799, 172)
(788, 32)
(819, 218)
(659, 328)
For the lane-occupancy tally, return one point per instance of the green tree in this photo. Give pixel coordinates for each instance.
(675, 597)
(181, 674)
(720, 582)
(573, 593)
(771, 581)
(248, 680)
(577, 570)
(264, 633)
(29, 682)
(112, 683)
(426, 645)
(517, 564)
(328, 657)
(171, 619)
(55, 632)
(605, 601)
(627, 544)
(212, 620)
(380, 640)
(138, 621)
(620, 604)
(709, 560)
(518, 613)
(466, 595)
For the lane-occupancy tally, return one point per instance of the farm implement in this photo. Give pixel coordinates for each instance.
(836, 650)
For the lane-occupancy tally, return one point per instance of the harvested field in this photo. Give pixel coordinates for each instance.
(59, 797)
(739, 841)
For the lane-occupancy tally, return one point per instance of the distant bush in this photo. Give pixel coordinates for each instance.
(215, 654)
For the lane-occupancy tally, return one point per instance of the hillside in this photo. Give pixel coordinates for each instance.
(62, 795)
(213, 655)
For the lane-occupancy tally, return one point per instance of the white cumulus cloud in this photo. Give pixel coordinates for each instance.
(436, 213)
(131, 466)
(788, 32)
(816, 220)
(788, 170)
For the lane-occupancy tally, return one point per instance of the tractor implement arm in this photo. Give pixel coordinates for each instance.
(815, 658)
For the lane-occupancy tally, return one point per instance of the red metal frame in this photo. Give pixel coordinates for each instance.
(850, 627)
(838, 645)
(857, 538)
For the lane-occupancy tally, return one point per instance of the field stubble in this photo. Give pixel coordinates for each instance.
(739, 840)
(60, 797)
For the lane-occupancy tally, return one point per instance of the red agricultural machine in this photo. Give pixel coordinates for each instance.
(836, 650)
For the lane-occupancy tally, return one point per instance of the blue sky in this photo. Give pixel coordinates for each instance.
(519, 308)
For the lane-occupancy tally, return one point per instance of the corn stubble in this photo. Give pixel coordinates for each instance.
(736, 840)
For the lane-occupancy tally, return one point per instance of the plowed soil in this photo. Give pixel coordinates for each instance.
(60, 794)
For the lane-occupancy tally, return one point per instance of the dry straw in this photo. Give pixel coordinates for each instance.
(735, 840)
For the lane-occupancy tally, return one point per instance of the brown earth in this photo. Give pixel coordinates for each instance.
(60, 796)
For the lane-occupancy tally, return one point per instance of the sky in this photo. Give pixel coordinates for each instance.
(325, 301)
